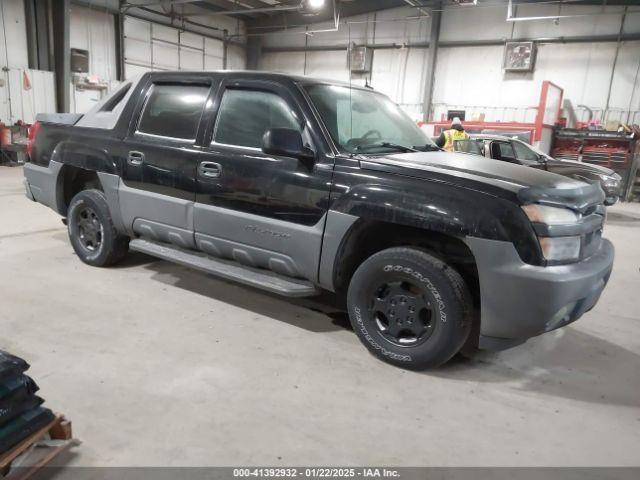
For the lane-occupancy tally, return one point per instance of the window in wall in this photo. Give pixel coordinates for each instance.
(174, 110)
(245, 116)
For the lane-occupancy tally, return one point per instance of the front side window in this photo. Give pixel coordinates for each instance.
(364, 121)
(503, 151)
(245, 116)
(525, 154)
(174, 110)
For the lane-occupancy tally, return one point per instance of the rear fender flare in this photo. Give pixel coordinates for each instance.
(83, 156)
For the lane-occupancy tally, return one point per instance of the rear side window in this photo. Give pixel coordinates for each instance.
(245, 115)
(174, 111)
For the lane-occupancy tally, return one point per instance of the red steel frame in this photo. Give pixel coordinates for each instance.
(539, 125)
(535, 128)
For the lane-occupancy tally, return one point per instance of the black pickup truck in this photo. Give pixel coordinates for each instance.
(295, 185)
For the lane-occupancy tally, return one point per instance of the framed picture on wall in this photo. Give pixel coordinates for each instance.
(519, 57)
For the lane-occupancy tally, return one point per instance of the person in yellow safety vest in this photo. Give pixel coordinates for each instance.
(447, 138)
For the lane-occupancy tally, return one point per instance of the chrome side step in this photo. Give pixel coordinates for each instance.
(227, 269)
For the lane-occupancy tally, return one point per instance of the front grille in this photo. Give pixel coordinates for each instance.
(591, 243)
(591, 240)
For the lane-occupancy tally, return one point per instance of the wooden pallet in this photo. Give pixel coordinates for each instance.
(56, 437)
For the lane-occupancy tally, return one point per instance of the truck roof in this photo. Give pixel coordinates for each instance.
(256, 74)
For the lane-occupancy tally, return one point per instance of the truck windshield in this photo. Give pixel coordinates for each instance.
(366, 122)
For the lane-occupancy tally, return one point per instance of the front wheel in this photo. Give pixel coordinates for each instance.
(91, 231)
(409, 308)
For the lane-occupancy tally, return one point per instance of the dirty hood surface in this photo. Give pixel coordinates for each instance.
(473, 171)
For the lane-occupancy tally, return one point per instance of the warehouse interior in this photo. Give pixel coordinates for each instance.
(159, 365)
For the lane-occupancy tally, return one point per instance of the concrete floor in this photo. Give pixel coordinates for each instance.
(159, 365)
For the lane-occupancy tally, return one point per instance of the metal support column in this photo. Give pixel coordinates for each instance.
(430, 65)
(225, 50)
(118, 20)
(254, 52)
(37, 26)
(32, 37)
(60, 14)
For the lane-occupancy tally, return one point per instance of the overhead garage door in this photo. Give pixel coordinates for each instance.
(149, 46)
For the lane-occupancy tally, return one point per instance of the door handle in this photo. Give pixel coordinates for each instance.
(210, 169)
(136, 158)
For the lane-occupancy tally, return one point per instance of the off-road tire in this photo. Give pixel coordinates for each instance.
(432, 286)
(109, 247)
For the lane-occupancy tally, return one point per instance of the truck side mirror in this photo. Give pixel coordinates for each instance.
(286, 142)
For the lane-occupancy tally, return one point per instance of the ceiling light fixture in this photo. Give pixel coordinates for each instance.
(314, 5)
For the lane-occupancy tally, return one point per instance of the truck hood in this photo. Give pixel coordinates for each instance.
(479, 173)
(580, 166)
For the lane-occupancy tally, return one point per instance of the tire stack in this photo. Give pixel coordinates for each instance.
(21, 413)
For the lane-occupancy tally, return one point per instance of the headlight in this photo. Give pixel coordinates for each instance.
(560, 248)
(550, 215)
(556, 249)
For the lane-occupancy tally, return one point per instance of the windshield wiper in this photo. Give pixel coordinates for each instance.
(387, 145)
(428, 148)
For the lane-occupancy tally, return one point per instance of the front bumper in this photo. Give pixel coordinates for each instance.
(519, 301)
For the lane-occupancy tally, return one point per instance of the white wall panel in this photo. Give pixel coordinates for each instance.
(137, 51)
(213, 63)
(18, 101)
(94, 30)
(165, 56)
(13, 51)
(213, 47)
(140, 29)
(236, 58)
(286, 62)
(132, 71)
(625, 93)
(158, 47)
(191, 59)
(192, 40)
(331, 65)
(162, 32)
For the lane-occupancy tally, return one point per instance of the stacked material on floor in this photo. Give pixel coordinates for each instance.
(21, 413)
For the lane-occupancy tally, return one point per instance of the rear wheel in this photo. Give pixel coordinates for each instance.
(91, 231)
(409, 308)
